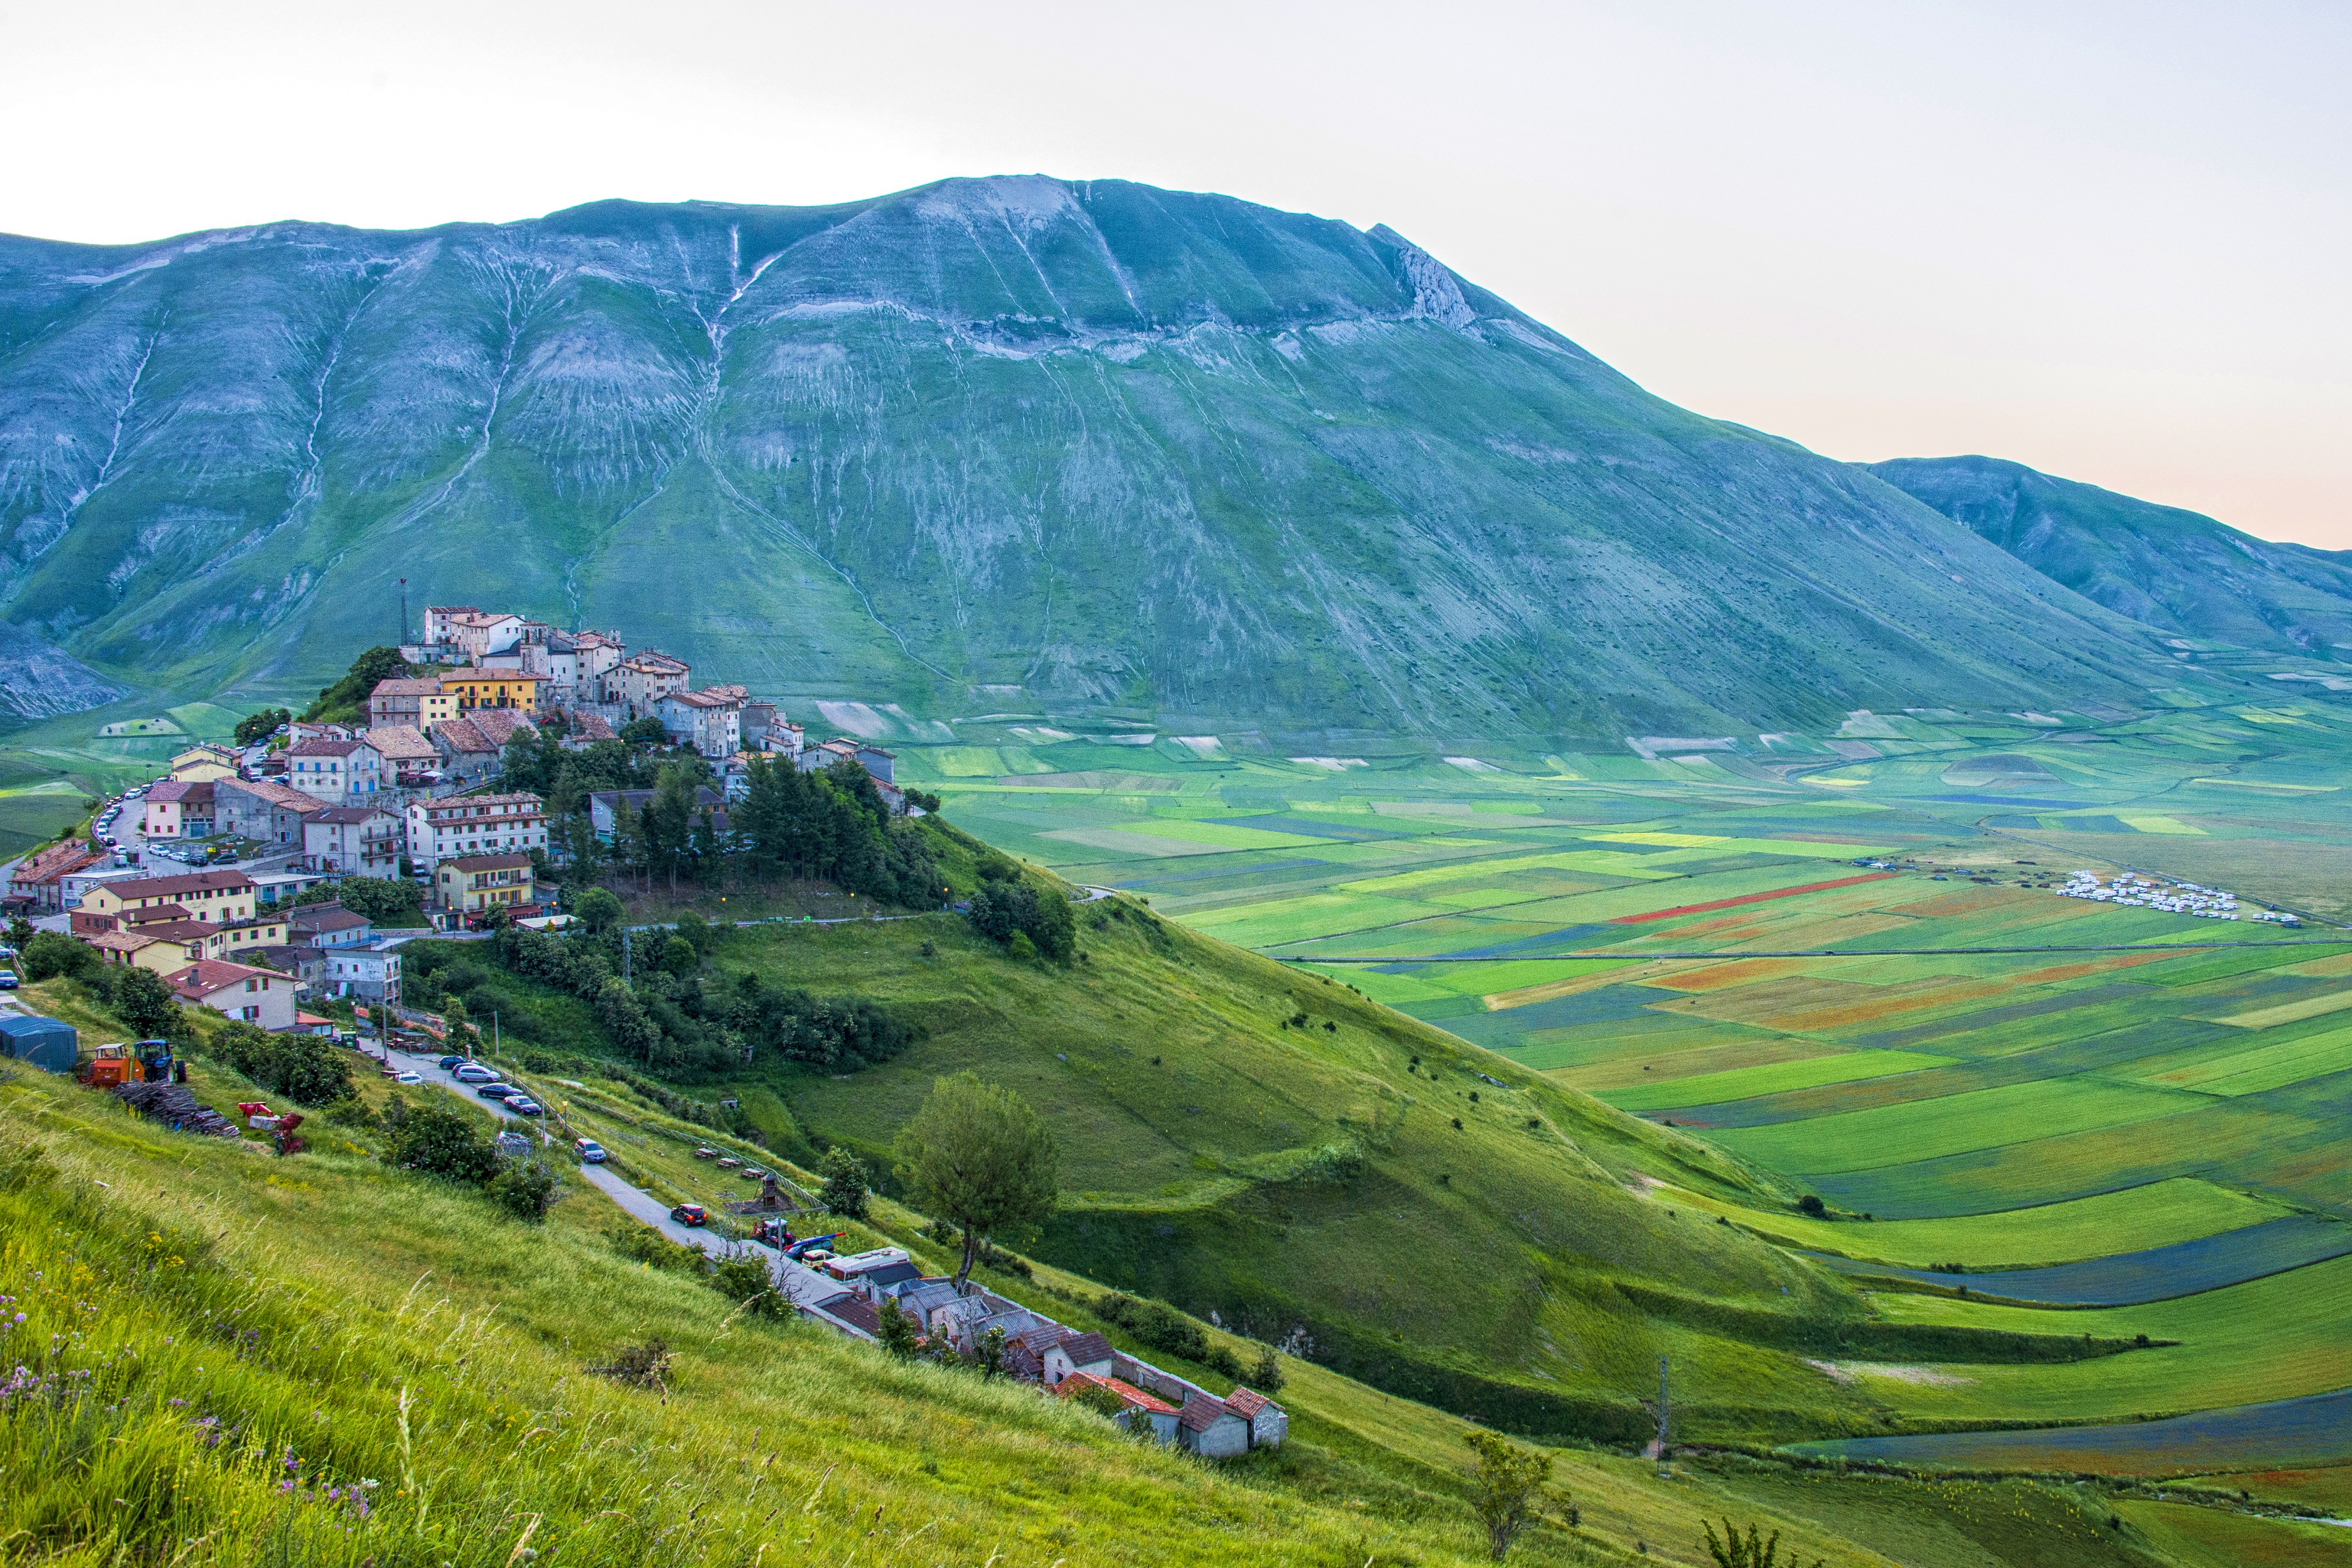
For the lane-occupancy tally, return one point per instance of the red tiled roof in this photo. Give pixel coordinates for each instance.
(326, 748)
(275, 794)
(1246, 1403)
(464, 738)
(853, 1308)
(56, 860)
(489, 862)
(206, 975)
(1129, 1395)
(406, 688)
(186, 793)
(171, 887)
(498, 725)
(1201, 1413)
(400, 742)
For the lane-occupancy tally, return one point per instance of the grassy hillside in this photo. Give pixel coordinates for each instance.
(1268, 1146)
(220, 1346)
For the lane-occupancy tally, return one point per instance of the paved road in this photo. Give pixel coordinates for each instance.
(800, 1284)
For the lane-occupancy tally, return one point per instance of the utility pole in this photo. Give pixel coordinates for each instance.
(625, 955)
(403, 614)
(1664, 1469)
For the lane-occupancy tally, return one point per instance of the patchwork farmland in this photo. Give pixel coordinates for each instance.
(1853, 972)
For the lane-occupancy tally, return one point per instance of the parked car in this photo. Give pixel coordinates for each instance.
(469, 1074)
(448, 1063)
(690, 1214)
(7, 980)
(524, 1105)
(494, 1090)
(408, 1078)
(590, 1151)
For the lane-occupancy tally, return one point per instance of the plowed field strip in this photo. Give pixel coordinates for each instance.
(1749, 898)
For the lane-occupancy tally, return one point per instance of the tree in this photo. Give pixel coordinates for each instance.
(387, 901)
(645, 731)
(896, 1330)
(20, 931)
(743, 1279)
(1265, 1374)
(1506, 1487)
(598, 910)
(679, 957)
(439, 1140)
(1811, 1205)
(304, 1068)
(845, 1183)
(978, 1157)
(1734, 1551)
(48, 953)
(524, 1188)
(254, 728)
(347, 698)
(144, 1000)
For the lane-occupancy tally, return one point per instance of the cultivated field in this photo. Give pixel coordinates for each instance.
(2003, 1078)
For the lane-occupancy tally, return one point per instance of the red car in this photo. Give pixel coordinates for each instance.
(690, 1214)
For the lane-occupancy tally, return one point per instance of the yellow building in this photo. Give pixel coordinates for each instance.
(202, 763)
(220, 896)
(472, 884)
(492, 688)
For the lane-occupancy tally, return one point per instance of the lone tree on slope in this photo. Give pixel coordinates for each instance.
(1506, 1488)
(979, 1158)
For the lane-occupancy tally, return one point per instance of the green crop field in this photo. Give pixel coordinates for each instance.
(1746, 1083)
(2180, 1208)
(1951, 1124)
(2049, 1103)
(2266, 1340)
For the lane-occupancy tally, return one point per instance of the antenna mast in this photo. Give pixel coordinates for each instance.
(1664, 1470)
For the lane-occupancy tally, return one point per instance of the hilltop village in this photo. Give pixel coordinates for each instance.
(238, 879)
(208, 874)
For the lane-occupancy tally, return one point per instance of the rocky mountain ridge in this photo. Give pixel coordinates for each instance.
(1120, 450)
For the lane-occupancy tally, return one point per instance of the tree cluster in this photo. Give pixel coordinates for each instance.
(346, 700)
(391, 901)
(254, 728)
(1010, 909)
(306, 1068)
(441, 1140)
(672, 1017)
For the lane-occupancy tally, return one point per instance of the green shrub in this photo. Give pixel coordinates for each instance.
(844, 1184)
(1156, 1325)
(52, 953)
(644, 1244)
(440, 1141)
(305, 1068)
(524, 1188)
(743, 1280)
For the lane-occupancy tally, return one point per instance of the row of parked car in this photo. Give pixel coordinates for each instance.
(487, 1085)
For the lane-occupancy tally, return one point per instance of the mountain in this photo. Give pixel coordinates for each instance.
(2182, 572)
(39, 680)
(997, 444)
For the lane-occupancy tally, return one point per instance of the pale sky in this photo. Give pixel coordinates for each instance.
(2106, 240)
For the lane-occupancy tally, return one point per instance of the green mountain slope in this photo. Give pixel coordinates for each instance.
(2180, 571)
(1403, 1207)
(223, 1357)
(987, 445)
